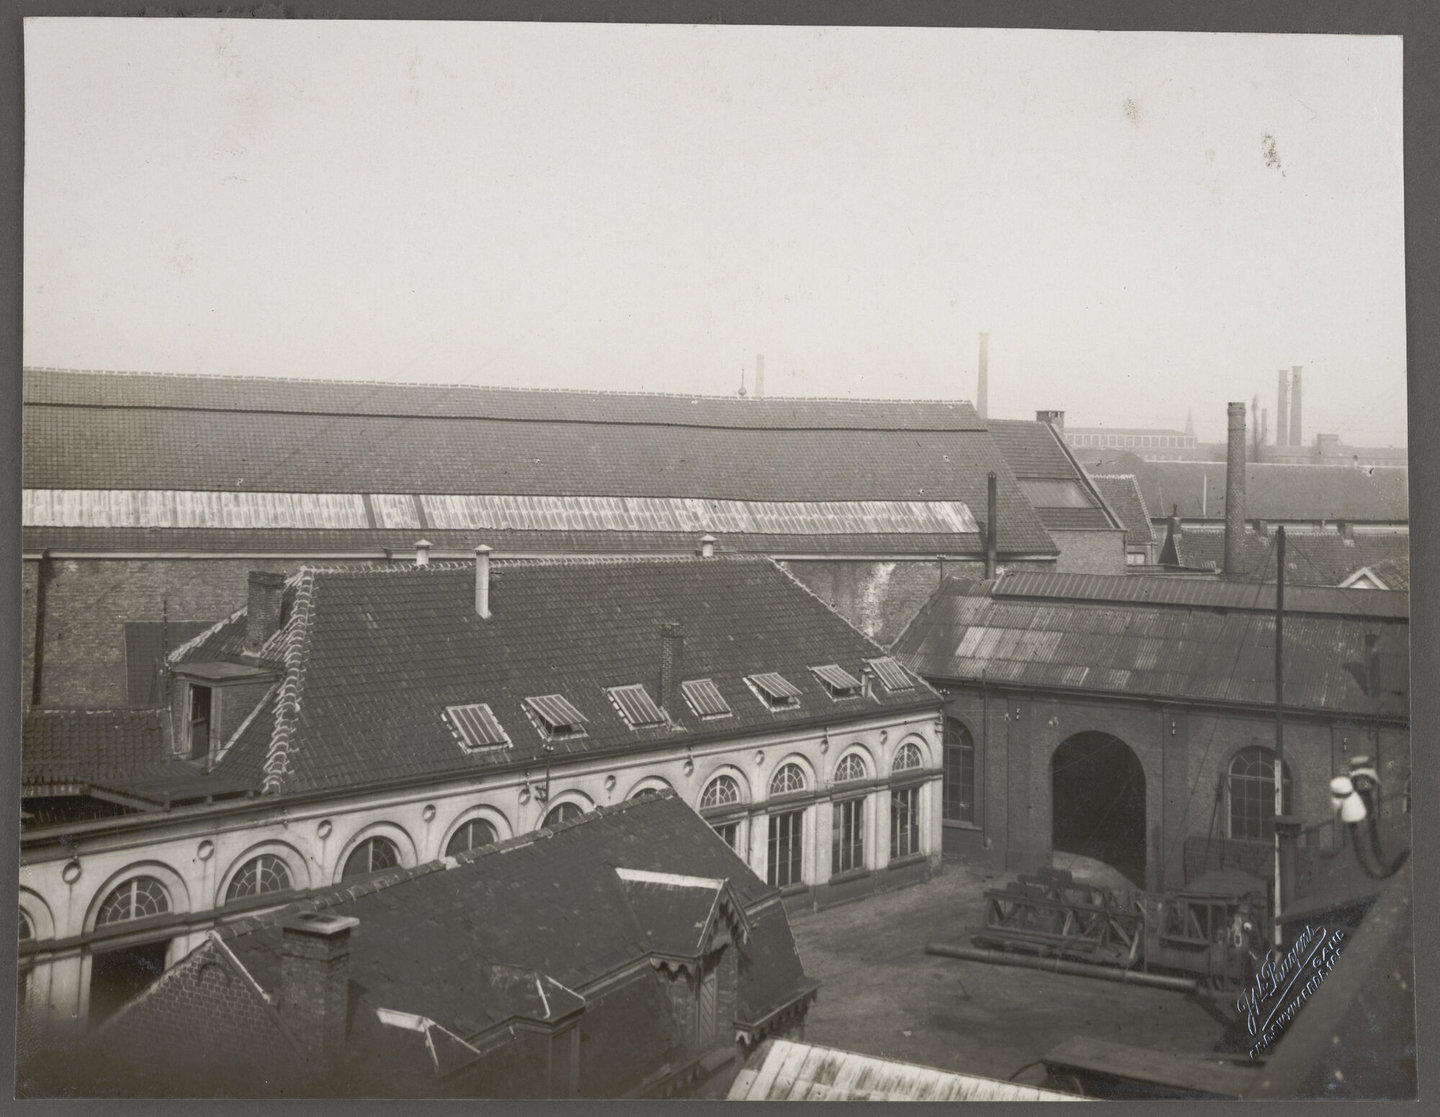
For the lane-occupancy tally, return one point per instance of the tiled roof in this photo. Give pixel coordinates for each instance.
(74, 746)
(1394, 572)
(375, 656)
(1123, 495)
(1322, 558)
(1277, 492)
(1053, 481)
(1202, 655)
(93, 431)
(552, 904)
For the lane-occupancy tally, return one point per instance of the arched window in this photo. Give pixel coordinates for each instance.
(471, 835)
(788, 779)
(722, 791)
(908, 757)
(562, 812)
(851, 767)
(1250, 788)
(370, 856)
(650, 789)
(135, 899)
(266, 873)
(27, 929)
(959, 788)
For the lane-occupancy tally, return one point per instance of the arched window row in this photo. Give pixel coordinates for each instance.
(788, 779)
(371, 856)
(259, 875)
(722, 791)
(851, 767)
(138, 898)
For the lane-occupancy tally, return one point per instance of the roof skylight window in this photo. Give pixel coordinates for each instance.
(636, 706)
(705, 698)
(555, 717)
(776, 691)
(477, 727)
(888, 670)
(839, 682)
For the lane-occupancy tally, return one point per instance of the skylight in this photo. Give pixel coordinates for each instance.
(705, 698)
(477, 727)
(775, 690)
(555, 716)
(839, 682)
(888, 670)
(636, 706)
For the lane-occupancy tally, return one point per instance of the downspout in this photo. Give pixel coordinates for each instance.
(990, 516)
(42, 578)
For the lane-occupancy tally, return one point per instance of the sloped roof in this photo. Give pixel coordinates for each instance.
(106, 431)
(1394, 572)
(1204, 655)
(1051, 479)
(373, 656)
(1122, 493)
(70, 746)
(1321, 558)
(549, 903)
(1275, 491)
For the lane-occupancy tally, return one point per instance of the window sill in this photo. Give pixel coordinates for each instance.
(848, 875)
(794, 889)
(952, 824)
(908, 859)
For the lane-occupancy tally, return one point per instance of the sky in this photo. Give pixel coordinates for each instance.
(1147, 224)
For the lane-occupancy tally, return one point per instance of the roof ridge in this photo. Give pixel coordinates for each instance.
(278, 756)
(446, 566)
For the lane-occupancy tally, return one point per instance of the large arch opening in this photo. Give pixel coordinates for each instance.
(1097, 797)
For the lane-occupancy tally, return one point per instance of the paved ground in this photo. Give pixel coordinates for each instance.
(881, 994)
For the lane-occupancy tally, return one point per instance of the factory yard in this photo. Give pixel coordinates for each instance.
(882, 995)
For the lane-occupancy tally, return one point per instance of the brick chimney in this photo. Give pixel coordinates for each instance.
(707, 546)
(1235, 491)
(482, 581)
(672, 662)
(315, 982)
(262, 613)
(1055, 418)
(991, 515)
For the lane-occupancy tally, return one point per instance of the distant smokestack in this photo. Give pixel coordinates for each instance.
(482, 581)
(1282, 411)
(759, 375)
(1235, 491)
(982, 387)
(1296, 438)
(1264, 426)
(1255, 435)
(990, 519)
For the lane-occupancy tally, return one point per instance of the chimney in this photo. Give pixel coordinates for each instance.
(1256, 435)
(990, 516)
(707, 546)
(315, 982)
(759, 375)
(422, 553)
(982, 387)
(867, 674)
(1056, 419)
(672, 661)
(1235, 491)
(1264, 426)
(1296, 438)
(482, 581)
(262, 614)
(1282, 411)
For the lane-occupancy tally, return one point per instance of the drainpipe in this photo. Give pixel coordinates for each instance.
(990, 527)
(42, 579)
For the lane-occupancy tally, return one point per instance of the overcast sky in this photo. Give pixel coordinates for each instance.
(1145, 223)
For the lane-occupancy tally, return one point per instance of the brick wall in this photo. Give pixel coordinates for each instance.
(1090, 552)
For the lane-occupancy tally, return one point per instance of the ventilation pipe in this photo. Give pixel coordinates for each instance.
(422, 553)
(1282, 411)
(482, 581)
(1235, 491)
(990, 527)
(1296, 438)
(982, 387)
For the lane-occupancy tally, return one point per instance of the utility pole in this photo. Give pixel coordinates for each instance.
(1279, 710)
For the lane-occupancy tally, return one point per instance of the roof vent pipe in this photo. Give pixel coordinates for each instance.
(422, 553)
(990, 516)
(707, 546)
(482, 581)
(1235, 491)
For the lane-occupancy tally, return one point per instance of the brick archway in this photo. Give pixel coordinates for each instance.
(1097, 802)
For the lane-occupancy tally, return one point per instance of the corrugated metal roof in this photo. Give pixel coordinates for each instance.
(783, 1070)
(1203, 593)
(636, 706)
(705, 698)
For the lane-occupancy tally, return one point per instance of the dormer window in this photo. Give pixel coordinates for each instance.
(555, 717)
(888, 670)
(776, 691)
(477, 727)
(636, 706)
(199, 721)
(216, 699)
(838, 682)
(705, 698)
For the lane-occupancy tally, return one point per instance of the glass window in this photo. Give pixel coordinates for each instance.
(266, 873)
(847, 836)
(651, 790)
(788, 779)
(199, 721)
(904, 822)
(562, 812)
(370, 856)
(908, 757)
(471, 835)
(135, 899)
(722, 791)
(851, 767)
(959, 794)
(784, 848)
(1250, 788)
(730, 833)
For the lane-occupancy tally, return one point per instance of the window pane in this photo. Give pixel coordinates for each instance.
(371, 856)
(904, 822)
(959, 789)
(135, 899)
(847, 847)
(472, 835)
(784, 849)
(1251, 790)
(266, 873)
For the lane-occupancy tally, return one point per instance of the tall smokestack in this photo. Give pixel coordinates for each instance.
(982, 388)
(1282, 411)
(1296, 438)
(759, 375)
(1235, 491)
(1264, 427)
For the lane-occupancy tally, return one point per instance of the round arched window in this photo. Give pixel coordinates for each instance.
(788, 779)
(908, 757)
(650, 790)
(851, 767)
(266, 873)
(1251, 789)
(471, 835)
(562, 812)
(720, 792)
(370, 856)
(135, 899)
(27, 929)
